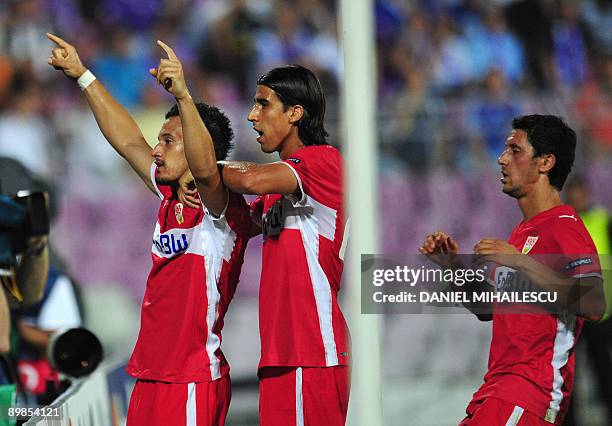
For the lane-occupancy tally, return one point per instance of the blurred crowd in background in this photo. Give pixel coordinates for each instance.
(452, 73)
(451, 76)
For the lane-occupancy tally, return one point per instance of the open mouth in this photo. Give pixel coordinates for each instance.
(259, 133)
(504, 177)
(160, 163)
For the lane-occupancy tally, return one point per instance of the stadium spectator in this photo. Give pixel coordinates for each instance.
(570, 46)
(182, 375)
(597, 14)
(120, 65)
(532, 22)
(521, 381)
(286, 41)
(227, 50)
(60, 306)
(25, 118)
(493, 46)
(489, 114)
(22, 275)
(593, 105)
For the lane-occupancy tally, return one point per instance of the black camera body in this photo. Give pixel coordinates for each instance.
(21, 217)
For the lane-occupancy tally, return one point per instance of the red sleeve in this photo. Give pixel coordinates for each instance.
(573, 249)
(238, 215)
(319, 173)
(256, 208)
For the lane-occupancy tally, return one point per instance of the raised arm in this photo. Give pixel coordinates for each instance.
(116, 124)
(199, 147)
(252, 178)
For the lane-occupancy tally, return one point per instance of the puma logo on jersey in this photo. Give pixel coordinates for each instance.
(569, 216)
(171, 244)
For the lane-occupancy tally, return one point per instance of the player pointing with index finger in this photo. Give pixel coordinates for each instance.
(182, 374)
(199, 148)
(305, 348)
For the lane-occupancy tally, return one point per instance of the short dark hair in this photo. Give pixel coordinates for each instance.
(218, 125)
(549, 134)
(297, 85)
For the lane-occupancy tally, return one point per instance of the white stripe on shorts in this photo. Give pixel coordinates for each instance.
(191, 405)
(299, 402)
(515, 416)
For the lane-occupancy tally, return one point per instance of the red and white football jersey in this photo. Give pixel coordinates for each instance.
(300, 322)
(531, 360)
(196, 266)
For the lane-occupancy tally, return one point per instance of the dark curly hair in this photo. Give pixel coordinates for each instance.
(549, 134)
(218, 125)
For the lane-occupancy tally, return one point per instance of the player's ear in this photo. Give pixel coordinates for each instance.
(297, 112)
(547, 162)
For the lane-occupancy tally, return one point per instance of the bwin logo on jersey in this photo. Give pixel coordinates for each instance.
(169, 244)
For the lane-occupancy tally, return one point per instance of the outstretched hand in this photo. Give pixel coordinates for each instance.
(65, 57)
(498, 251)
(169, 73)
(440, 248)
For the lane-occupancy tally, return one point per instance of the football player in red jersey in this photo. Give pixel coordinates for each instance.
(305, 348)
(182, 374)
(531, 361)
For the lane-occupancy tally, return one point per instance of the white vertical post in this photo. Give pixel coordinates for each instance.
(360, 146)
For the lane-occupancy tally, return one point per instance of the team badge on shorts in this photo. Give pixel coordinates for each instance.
(178, 212)
(529, 244)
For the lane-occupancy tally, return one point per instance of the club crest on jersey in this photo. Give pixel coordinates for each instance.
(178, 212)
(531, 241)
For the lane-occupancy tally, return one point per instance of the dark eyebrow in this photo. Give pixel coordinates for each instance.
(262, 101)
(163, 135)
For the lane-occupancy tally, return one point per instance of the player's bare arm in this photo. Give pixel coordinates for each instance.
(187, 192)
(442, 249)
(116, 124)
(5, 324)
(251, 178)
(199, 148)
(581, 296)
(32, 273)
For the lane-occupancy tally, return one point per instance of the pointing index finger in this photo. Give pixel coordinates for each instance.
(57, 40)
(167, 49)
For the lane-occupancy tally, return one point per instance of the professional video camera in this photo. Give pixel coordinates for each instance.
(21, 217)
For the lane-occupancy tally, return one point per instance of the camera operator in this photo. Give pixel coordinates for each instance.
(24, 228)
(24, 256)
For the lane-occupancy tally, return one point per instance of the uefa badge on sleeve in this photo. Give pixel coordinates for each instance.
(178, 212)
(531, 241)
